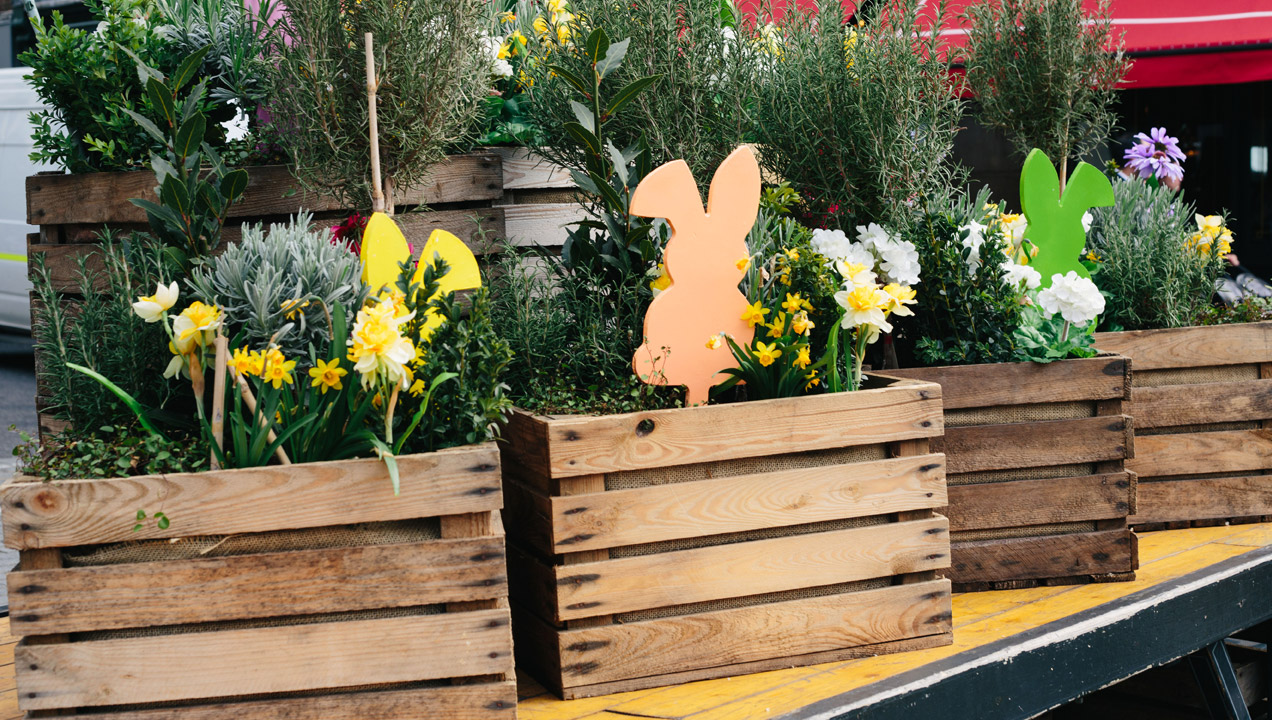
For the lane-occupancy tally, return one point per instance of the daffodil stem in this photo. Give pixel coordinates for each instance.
(388, 415)
(834, 359)
(250, 401)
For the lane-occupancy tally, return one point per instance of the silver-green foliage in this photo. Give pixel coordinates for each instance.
(433, 69)
(268, 275)
(1045, 73)
(860, 127)
(1152, 280)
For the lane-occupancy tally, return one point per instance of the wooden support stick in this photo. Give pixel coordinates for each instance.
(218, 396)
(377, 194)
(250, 400)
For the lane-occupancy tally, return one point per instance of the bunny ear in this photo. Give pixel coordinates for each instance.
(734, 199)
(1087, 188)
(1039, 187)
(668, 192)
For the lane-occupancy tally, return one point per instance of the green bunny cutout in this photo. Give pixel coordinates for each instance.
(1055, 220)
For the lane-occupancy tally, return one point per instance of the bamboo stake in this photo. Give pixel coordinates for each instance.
(218, 395)
(377, 193)
(250, 400)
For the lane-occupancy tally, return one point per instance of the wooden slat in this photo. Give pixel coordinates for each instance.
(1039, 502)
(750, 568)
(176, 592)
(1192, 346)
(523, 449)
(1201, 499)
(264, 660)
(541, 225)
(976, 448)
(97, 198)
(1200, 404)
(726, 637)
(749, 502)
(485, 701)
(585, 445)
(975, 386)
(1229, 451)
(224, 502)
(523, 170)
(1048, 556)
(527, 515)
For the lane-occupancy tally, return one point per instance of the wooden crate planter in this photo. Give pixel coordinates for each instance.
(1202, 402)
(304, 591)
(1039, 493)
(662, 547)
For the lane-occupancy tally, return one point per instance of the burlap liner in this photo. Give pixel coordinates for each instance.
(1044, 472)
(1011, 414)
(210, 546)
(1211, 427)
(1193, 376)
(1022, 532)
(743, 466)
(544, 196)
(751, 600)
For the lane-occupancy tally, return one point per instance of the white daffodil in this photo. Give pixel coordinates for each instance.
(151, 308)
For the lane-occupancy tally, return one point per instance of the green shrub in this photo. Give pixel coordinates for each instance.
(860, 120)
(1151, 277)
(282, 283)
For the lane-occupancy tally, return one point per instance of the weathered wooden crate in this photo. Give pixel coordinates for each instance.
(1039, 493)
(304, 591)
(662, 547)
(1202, 402)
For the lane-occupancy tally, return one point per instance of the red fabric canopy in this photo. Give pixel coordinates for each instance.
(1184, 42)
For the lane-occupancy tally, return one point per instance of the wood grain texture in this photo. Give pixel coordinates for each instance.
(523, 170)
(134, 595)
(1094, 553)
(586, 445)
(739, 635)
(1203, 499)
(976, 386)
(977, 448)
(1039, 502)
(750, 568)
(81, 512)
(230, 662)
(1192, 346)
(1228, 451)
(485, 701)
(99, 198)
(748, 502)
(1201, 404)
(540, 225)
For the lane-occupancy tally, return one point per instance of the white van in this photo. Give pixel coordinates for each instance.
(17, 101)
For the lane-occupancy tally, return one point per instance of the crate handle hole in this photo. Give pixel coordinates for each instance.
(644, 427)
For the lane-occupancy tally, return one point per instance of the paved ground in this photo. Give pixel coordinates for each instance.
(17, 407)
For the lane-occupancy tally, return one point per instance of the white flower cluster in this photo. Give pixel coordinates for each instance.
(1076, 298)
(974, 240)
(499, 67)
(1021, 277)
(897, 261)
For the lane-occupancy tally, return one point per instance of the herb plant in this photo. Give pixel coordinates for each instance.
(122, 450)
(1046, 73)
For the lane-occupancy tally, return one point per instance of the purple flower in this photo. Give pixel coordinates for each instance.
(1156, 155)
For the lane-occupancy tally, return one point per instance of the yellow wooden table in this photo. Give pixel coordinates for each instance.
(997, 636)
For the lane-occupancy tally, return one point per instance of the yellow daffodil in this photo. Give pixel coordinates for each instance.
(377, 347)
(793, 254)
(855, 274)
(715, 342)
(777, 328)
(291, 308)
(563, 32)
(540, 26)
(794, 303)
(277, 368)
(176, 365)
(901, 297)
(754, 314)
(743, 263)
(327, 375)
(505, 51)
(151, 308)
(801, 325)
(246, 363)
(524, 80)
(516, 36)
(196, 324)
(767, 354)
(802, 359)
(864, 305)
(557, 6)
(1209, 225)
(662, 283)
(507, 17)
(812, 379)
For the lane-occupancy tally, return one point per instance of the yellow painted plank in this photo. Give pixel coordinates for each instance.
(1251, 536)
(1157, 545)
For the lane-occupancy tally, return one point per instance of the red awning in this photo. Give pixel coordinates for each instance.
(1185, 42)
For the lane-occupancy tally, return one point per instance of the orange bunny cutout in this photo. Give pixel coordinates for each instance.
(701, 260)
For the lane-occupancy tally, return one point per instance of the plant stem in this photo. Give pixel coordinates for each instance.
(377, 195)
(833, 353)
(388, 416)
(1064, 334)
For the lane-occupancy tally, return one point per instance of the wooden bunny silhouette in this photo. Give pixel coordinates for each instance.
(1055, 220)
(702, 261)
